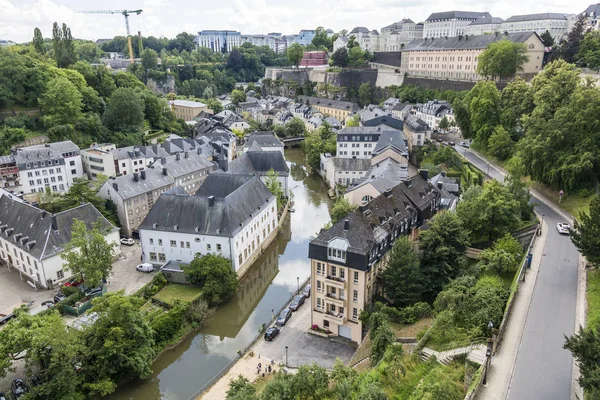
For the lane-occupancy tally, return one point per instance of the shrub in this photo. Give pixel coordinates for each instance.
(166, 325)
(69, 290)
(153, 287)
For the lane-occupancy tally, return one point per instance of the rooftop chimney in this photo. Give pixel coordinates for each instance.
(177, 157)
(408, 182)
(143, 174)
(346, 225)
(443, 173)
(424, 173)
(439, 185)
(43, 213)
(165, 171)
(186, 154)
(54, 223)
(163, 161)
(116, 186)
(211, 201)
(136, 176)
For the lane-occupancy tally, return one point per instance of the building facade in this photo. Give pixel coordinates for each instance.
(219, 41)
(99, 160)
(556, 24)
(187, 110)
(433, 111)
(334, 108)
(417, 132)
(395, 36)
(366, 39)
(360, 141)
(450, 23)
(484, 26)
(9, 174)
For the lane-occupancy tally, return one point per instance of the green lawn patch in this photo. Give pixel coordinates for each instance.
(507, 277)
(593, 297)
(573, 203)
(183, 293)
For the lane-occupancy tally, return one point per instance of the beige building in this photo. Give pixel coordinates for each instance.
(99, 160)
(332, 108)
(417, 132)
(187, 110)
(456, 57)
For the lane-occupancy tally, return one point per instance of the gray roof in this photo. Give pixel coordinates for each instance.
(416, 124)
(10, 159)
(338, 104)
(441, 181)
(24, 156)
(391, 138)
(351, 164)
(184, 164)
(383, 175)
(40, 233)
(487, 21)
(128, 187)
(536, 17)
(236, 199)
(359, 29)
(263, 139)
(256, 161)
(435, 107)
(457, 14)
(188, 103)
(464, 42)
(593, 8)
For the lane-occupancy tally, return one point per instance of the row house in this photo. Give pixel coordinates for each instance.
(417, 132)
(9, 174)
(333, 108)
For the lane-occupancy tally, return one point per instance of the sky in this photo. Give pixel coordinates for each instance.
(166, 18)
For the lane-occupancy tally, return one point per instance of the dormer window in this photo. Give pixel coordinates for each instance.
(336, 250)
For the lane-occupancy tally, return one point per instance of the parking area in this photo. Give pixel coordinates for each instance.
(124, 276)
(14, 292)
(303, 347)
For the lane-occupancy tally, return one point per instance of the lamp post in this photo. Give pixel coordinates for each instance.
(298, 280)
(286, 356)
(488, 173)
(488, 352)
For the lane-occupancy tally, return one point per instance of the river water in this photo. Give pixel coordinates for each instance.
(179, 373)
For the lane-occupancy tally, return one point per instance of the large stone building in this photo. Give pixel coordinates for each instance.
(187, 109)
(455, 58)
(450, 23)
(483, 26)
(555, 23)
(334, 108)
(395, 36)
(219, 41)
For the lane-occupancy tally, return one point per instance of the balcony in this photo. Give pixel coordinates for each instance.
(339, 300)
(335, 281)
(336, 317)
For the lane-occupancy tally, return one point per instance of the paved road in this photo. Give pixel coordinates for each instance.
(543, 368)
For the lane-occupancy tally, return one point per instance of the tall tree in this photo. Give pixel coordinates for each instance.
(238, 96)
(216, 276)
(547, 39)
(589, 50)
(500, 143)
(311, 382)
(88, 253)
(322, 40)
(502, 59)
(125, 111)
(340, 57)
(321, 141)
(365, 94)
(63, 46)
(401, 278)
(516, 101)
(585, 347)
(570, 47)
(586, 233)
(295, 128)
(38, 41)
(275, 187)
(483, 104)
(240, 388)
(61, 103)
(149, 59)
(294, 54)
(340, 209)
(504, 256)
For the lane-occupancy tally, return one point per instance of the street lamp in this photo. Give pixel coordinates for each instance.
(490, 327)
(286, 356)
(489, 164)
(298, 280)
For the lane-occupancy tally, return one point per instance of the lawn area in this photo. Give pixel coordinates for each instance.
(593, 297)
(173, 292)
(573, 203)
(507, 277)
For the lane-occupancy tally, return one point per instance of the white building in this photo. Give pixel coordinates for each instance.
(483, 26)
(53, 166)
(450, 23)
(31, 239)
(360, 141)
(99, 160)
(395, 36)
(434, 111)
(556, 24)
(266, 140)
(366, 39)
(131, 159)
(219, 41)
(234, 216)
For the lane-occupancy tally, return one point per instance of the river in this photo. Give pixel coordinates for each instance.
(179, 373)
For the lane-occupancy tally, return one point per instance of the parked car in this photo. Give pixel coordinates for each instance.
(19, 388)
(75, 281)
(59, 297)
(451, 144)
(297, 302)
(3, 396)
(271, 333)
(91, 291)
(47, 303)
(145, 267)
(284, 316)
(306, 291)
(35, 380)
(128, 241)
(563, 228)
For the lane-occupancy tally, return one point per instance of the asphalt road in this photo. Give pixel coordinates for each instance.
(543, 368)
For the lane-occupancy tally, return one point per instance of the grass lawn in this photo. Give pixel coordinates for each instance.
(593, 297)
(184, 293)
(571, 202)
(507, 277)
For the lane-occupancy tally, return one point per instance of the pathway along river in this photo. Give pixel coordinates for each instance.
(179, 373)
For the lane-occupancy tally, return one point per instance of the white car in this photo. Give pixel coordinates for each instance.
(145, 267)
(128, 241)
(563, 228)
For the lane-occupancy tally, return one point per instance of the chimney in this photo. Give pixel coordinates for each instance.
(199, 150)
(387, 192)
(424, 173)
(163, 161)
(211, 201)
(408, 182)
(165, 171)
(439, 185)
(143, 174)
(177, 157)
(186, 154)
(136, 176)
(466, 37)
(444, 173)
(346, 225)
(54, 223)
(372, 176)
(44, 213)
(116, 186)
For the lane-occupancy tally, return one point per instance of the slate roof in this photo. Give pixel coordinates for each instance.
(24, 156)
(236, 199)
(256, 161)
(337, 104)
(194, 162)
(383, 175)
(420, 192)
(39, 233)
(593, 8)
(435, 107)
(536, 17)
(416, 124)
(390, 138)
(487, 21)
(464, 42)
(263, 139)
(128, 187)
(364, 130)
(359, 29)
(188, 103)
(457, 14)
(441, 181)
(351, 164)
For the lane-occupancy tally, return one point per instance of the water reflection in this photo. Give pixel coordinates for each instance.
(179, 373)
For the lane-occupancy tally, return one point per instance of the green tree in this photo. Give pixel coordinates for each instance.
(365, 94)
(502, 59)
(401, 278)
(352, 43)
(341, 209)
(274, 186)
(586, 233)
(500, 144)
(371, 390)
(382, 338)
(570, 47)
(240, 388)
(589, 50)
(547, 39)
(444, 123)
(88, 253)
(516, 102)
(321, 40)
(61, 103)
(280, 387)
(125, 111)
(149, 59)
(321, 141)
(216, 276)
(462, 117)
(88, 52)
(443, 248)
(62, 46)
(339, 57)
(295, 128)
(504, 256)
(294, 54)
(483, 104)
(238, 96)
(214, 105)
(354, 121)
(311, 382)
(118, 346)
(38, 41)
(356, 56)
(585, 347)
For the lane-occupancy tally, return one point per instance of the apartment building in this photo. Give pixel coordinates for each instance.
(342, 171)
(380, 177)
(556, 24)
(456, 57)
(187, 109)
(483, 26)
(234, 216)
(395, 36)
(360, 141)
(450, 23)
(366, 39)
(219, 41)
(9, 174)
(334, 108)
(417, 132)
(188, 169)
(347, 258)
(99, 160)
(434, 111)
(32, 240)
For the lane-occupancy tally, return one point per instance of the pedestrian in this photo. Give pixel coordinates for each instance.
(258, 369)
(269, 369)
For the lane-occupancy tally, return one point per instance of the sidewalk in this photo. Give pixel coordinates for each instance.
(499, 377)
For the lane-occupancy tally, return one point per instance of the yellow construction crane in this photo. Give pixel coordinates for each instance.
(126, 14)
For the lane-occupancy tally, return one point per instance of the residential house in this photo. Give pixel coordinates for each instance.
(484, 26)
(417, 132)
(128, 160)
(391, 144)
(360, 141)
(9, 174)
(340, 42)
(231, 120)
(380, 177)
(342, 171)
(456, 57)
(234, 216)
(266, 140)
(366, 39)
(555, 23)
(220, 137)
(450, 23)
(434, 111)
(317, 120)
(401, 111)
(187, 109)
(32, 240)
(99, 160)
(333, 108)
(187, 170)
(449, 190)
(259, 162)
(375, 116)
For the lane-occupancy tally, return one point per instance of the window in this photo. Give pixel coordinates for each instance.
(151, 241)
(319, 302)
(355, 296)
(333, 270)
(218, 246)
(342, 273)
(318, 268)
(355, 276)
(187, 245)
(60, 274)
(162, 257)
(160, 242)
(208, 247)
(152, 256)
(318, 286)
(325, 323)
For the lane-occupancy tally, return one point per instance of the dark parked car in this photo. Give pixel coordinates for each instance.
(3, 396)
(58, 297)
(284, 317)
(306, 291)
(91, 291)
(271, 333)
(19, 388)
(35, 380)
(297, 302)
(47, 303)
